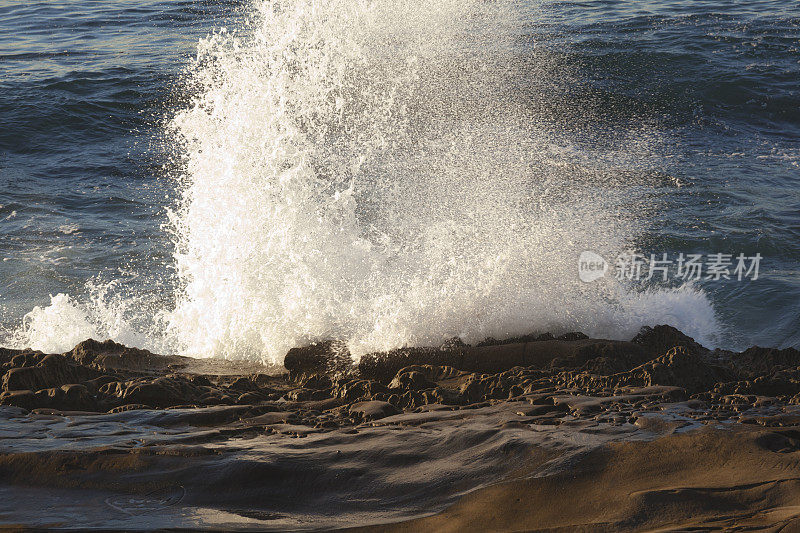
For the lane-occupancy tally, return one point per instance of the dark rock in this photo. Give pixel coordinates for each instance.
(23, 378)
(112, 388)
(619, 354)
(410, 379)
(109, 355)
(572, 336)
(384, 366)
(95, 384)
(22, 358)
(757, 360)
(489, 341)
(411, 399)
(373, 410)
(159, 392)
(540, 353)
(318, 358)
(215, 399)
(358, 389)
(73, 397)
(243, 385)
(299, 395)
(251, 398)
(51, 371)
(324, 404)
(605, 366)
(7, 355)
(549, 354)
(452, 344)
(679, 367)
(473, 389)
(660, 339)
(771, 385)
(129, 407)
(19, 398)
(262, 380)
(77, 397)
(532, 337)
(317, 382)
(433, 373)
(430, 397)
(201, 381)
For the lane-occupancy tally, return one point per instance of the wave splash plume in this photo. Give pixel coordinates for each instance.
(383, 173)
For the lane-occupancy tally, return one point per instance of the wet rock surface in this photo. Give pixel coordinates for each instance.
(535, 369)
(103, 410)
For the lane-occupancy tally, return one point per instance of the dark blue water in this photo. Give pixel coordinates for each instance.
(84, 87)
(721, 82)
(84, 167)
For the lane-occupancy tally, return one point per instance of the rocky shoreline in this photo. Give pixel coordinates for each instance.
(544, 398)
(99, 377)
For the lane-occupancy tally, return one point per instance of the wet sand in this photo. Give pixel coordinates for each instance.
(532, 433)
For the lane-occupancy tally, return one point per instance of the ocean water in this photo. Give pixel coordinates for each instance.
(233, 179)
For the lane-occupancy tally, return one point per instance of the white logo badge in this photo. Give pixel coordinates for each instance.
(591, 266)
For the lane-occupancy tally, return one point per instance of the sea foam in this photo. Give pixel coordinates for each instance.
(369, 171)
(387, 173)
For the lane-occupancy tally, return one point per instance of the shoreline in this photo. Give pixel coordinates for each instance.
(532, 432)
